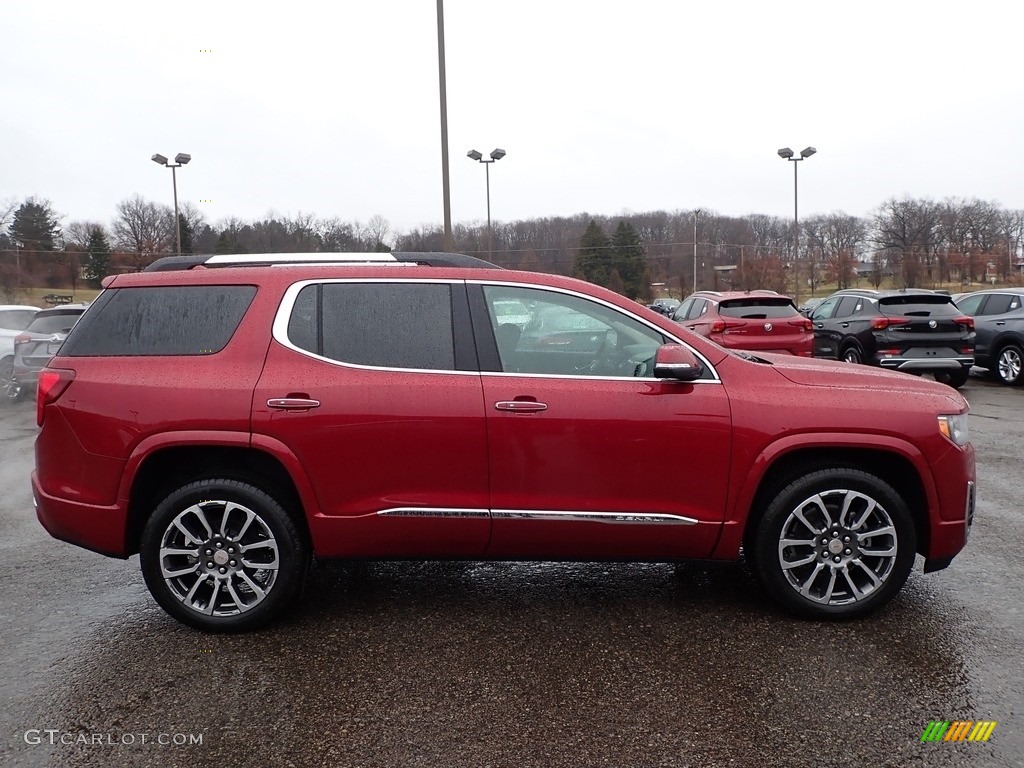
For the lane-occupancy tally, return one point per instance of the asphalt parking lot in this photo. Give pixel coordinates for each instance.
(480, 664)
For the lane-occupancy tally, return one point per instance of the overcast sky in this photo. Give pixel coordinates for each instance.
(332, 108)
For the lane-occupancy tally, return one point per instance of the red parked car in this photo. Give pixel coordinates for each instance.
(229, 422)
(757, 321)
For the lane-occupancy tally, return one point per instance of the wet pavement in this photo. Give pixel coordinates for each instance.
(498, 664)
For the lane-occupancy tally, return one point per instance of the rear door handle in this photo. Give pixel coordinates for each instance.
(520, 406)
(292, 403)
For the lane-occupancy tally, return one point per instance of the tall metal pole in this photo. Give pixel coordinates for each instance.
(490, 237)
(449, 240)
(796, 239)
(177, 219)
(696, 213)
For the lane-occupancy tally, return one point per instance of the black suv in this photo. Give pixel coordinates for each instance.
(999, 323)
(915, 331)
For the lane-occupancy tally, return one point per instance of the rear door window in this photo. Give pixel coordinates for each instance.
(166, 320)
(999, 304)
(387, 325)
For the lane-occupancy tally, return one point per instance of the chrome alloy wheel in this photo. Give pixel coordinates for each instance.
(837, 547)
(1010, 365)
(219, 558)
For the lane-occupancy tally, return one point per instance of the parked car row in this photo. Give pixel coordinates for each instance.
(999, 330)
(914, 331)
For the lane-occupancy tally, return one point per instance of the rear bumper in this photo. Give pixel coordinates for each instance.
(925, 364)
(97, 528)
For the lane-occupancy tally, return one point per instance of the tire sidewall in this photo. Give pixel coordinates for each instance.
(293, 553)
(769, 531)
(998, 369)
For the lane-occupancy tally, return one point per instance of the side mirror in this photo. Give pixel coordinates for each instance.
(674, 361)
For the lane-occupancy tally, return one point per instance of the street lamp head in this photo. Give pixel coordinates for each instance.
(497, 154)
(785, 153)
(807, 152)
(183, 158)
(159, 159)
(474, 155)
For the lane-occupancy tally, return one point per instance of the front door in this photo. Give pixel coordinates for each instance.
(590, 455)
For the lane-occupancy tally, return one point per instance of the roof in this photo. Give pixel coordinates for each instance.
(431, 258)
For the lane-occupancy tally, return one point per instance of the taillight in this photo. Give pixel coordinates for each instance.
(881, 323)
(965, 321)
(51, 385)
(720, 326)
(803, 322)
(21, 338)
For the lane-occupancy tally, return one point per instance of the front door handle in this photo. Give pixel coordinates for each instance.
(520, 406)
(292, 403)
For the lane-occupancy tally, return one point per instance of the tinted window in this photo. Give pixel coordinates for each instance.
(849, 305)
(16, 319)
(682, 309)
(392, 325)
(757, 309)
(825, 309)
(171, 320)
(918, 305)
(303, 325)
(700, 306)
(999, 303)
(57, 322)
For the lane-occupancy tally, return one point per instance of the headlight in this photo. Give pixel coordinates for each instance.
(955, 428)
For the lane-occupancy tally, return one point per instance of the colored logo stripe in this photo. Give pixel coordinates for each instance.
(958, 730)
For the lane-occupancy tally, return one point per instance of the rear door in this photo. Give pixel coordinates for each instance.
(373, 386)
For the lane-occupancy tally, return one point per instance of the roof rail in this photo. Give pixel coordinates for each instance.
(432, 259)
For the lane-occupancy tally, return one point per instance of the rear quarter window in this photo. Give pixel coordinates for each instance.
(166, 320)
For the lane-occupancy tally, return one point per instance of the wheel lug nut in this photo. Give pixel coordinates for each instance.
(209, 564)
(848, 551)
(223, 570)
(234, 563)
(846, 538)
(209, 551)
(839, 559)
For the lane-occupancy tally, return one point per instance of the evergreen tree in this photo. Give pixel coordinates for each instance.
(97, 260)
(593, 261)
(186, 234)
(36, 226)
(628, 257)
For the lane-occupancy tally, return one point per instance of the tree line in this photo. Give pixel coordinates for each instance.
(910, 242)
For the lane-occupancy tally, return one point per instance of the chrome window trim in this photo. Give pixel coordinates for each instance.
(284, 312)
(279, 330)
(586, 297)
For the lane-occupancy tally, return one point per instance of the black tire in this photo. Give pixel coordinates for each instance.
(1008, 367)
(955, 379)
(223, 589)
(851, 355)
(835, 571)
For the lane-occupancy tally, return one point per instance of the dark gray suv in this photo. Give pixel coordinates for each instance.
(999, 324)
(914, 331)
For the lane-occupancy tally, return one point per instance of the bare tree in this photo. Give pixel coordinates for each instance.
(144, 229)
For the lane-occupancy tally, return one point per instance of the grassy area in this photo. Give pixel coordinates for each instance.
(35, 295)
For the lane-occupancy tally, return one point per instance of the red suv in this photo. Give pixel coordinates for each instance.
(757, 321)
(229, 422)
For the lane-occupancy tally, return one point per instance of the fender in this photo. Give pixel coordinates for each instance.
(748, 479)
(295, 470)
(149, 445)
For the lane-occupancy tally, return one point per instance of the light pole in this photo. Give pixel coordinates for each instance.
(696, 213)
(180, 159)
(496, 155)
(787, 154)
(449, 238)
